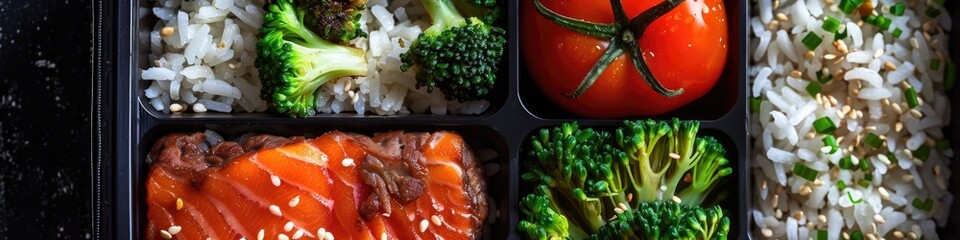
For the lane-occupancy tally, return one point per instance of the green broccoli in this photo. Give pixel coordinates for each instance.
(460, 56)
(293, 61)
(633, 175)
(337, 21)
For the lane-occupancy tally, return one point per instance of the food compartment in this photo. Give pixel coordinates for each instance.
(147, 32)
(487, 144)
(718, 102)
(730, 192)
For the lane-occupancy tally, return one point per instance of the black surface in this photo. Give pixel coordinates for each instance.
(45, 92)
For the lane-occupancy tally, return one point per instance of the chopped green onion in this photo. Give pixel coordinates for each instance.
(943, 144)
(873, 140)
(840, 35)
(939, 1)
(868, 177)
(933, 12)
(824, 125)
(911, 95)
(841, 185)
(824, 77)
(864, 165)
(863, 183)
(755, 104)
(812, 41)
(822, 235)
(872, 19)
(848, 6)
(898, 9)
(950, 75)
(846, 163)
(804, 172)
(922, 153)
(935, 64)
(831, 25)
(830, 141)
(893, 158)
(856, 235)
(883, 22)
(850, 197)
(897, 32)
(923, 204)
(813, 88)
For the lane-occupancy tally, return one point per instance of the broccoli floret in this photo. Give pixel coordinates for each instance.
(622, 185)
(667, 220)
(293, 61)
(337, 21)
(458, 55)
(487, 10)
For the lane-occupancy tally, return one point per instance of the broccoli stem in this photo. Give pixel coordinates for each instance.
(443, 14)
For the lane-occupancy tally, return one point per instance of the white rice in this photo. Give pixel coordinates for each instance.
(212, 64)
(206, 62)
(860, 99)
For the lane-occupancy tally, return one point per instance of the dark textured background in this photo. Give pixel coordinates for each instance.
(45, 92)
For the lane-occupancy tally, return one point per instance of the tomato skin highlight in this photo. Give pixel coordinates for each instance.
(686, 48)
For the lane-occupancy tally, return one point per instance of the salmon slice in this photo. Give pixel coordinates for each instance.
(394, 185)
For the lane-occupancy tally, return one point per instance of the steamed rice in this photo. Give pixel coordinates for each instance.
(870, 69)
(211, 67)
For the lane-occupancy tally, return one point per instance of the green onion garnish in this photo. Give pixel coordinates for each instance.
(872, 19)
(868, 177)
(841, 185)
(935, 64)
(804, 172)
(923, 204)
(850, 197)
(824, 125)
(864, 165)
(883, 22)
(813, 88)
(911, 95)
(846, 163)
(897, 32)
(949, 75)
(856, 235)
(943, 144)
(812, 41)
(893, 158)
(755, 104)
(831, 25)
(898, 9)
(847, 6)
(922, 153)
(822, 235)
(933, 12)
(830, 141)
(873, 140)
(863, 183)
(824, 76)
(840, 35)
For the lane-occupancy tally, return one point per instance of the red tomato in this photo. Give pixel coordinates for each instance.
(685, 48)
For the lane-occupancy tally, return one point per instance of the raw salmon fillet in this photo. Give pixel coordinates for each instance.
(394, 185)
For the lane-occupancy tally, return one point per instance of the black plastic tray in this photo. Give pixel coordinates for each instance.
(126, 126)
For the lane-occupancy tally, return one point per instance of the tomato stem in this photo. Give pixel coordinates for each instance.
(623, 36)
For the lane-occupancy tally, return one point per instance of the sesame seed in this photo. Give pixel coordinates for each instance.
(294, 201)
(782, 17)
(166, 31)
(622, 206)
(763, 184)
(889, 66)
(883, 159)
(347, 162)
(260, 234)
(174, 230)
(674, 155)
(883, 193)
(826, 149)
(798, 215)
(275, 210)
(423, 225)
(870, 236)
(907, 178)
(841, 46)
(618, 210)
(796, 74)
(936, 169)
(275, 180)
(288, 227)
(179, 204)
(775, 200)
(829, 56)
(822, 218)
(805, 190)
(898, 234)
(774, 25)
(165, 234)
(879, 219)
(383, 236)
(897, 109)
(913, 235)
(321, 233)
(176, 107)
(828, 1)
(298, 234)
(914, 43)
(846, 235)
(916, 114)
(282, 237)
(436, 220)
(878, 53)
(898, 126)
(776, 4)
(676, 199)
(810, 55)
(328, 236)
(767, 232)
(385, 214)
(817, 183)
(778, 214)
